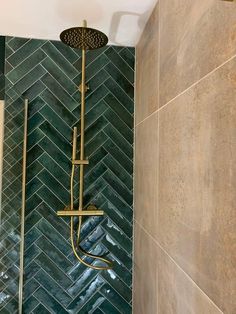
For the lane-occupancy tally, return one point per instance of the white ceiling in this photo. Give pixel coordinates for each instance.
(121, 20)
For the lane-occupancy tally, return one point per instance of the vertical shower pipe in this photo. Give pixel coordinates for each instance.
(82, 114)
(22, 231)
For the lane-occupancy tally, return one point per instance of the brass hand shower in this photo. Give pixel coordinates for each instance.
(83, 38)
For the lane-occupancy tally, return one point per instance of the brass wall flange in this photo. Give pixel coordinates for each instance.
(86, 88)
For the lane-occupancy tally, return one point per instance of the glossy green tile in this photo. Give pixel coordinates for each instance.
(62, 109)
(50, 284)
(60, 93)
(119, 109)
(52, 52)
(46, 145)
(121, 127)
(45, 298)
(120, 94)
(119, 156)
(16, 43)
(108, 308)
(52, 252)
(85, 295)
(29, 79)
(120, 79)
(127, 56)
(120, 64)
(54, 119)
(115, 299)
(41, 309)
(59, 75)
(120, 237)
(119, 139)
(70, 54)
(24, 67)
(50, 267)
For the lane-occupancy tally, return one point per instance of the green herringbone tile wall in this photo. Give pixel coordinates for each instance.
(47, 73)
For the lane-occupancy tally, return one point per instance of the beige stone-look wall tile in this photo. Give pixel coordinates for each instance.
(146, 173)
(195, 38)
(147, 69)
(197, 182)
(177, 293)
(145, 273)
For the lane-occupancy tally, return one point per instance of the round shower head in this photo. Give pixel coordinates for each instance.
(83, 38)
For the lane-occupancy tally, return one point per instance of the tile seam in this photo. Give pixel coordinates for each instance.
(178, 266)
(187, 89)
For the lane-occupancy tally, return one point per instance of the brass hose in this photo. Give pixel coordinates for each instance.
(102, 259)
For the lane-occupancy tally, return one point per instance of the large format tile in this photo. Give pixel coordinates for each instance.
(196, 37)
(145, 273)
(147, 69)
(146, 173)
(197, 179)
(177, 293)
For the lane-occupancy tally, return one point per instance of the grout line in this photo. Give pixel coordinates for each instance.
(187, 89)
(177, 265)
(134, 173)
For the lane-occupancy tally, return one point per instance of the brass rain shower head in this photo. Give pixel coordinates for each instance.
(83, 38)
